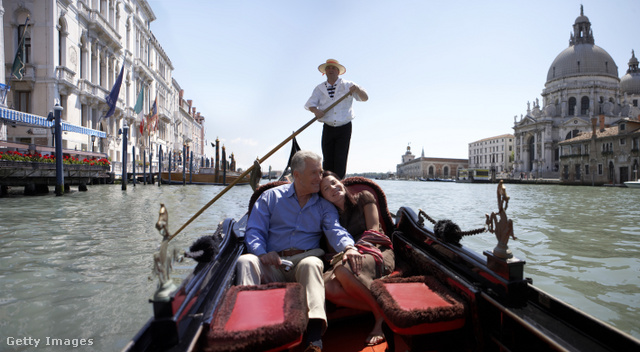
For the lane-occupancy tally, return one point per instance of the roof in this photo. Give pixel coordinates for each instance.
(507, 135)
(607, 132)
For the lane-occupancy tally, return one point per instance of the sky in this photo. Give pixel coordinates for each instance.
(439, 74)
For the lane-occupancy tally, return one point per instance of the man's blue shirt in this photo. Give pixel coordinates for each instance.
(277, 223)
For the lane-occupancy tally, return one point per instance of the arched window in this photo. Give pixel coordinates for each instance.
(431, 171)
(445, 171)
(572, 106)
(584, 106)
(572, 134)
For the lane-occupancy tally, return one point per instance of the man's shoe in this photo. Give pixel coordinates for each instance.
(313, 348)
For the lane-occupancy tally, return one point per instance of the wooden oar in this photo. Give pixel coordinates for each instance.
(261, 160)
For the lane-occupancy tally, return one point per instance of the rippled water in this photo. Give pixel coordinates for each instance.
(77, 266)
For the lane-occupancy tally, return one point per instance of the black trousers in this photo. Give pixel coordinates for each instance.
(335, 148)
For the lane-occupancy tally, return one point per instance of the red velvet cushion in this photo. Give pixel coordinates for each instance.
(254, 309)
(418, 305)
(269, 317)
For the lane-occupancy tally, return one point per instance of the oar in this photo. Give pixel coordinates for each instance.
(261, 160)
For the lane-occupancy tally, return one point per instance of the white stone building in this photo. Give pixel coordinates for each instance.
(493, 153)
(428, 167)
(74, 50)
(582, 83)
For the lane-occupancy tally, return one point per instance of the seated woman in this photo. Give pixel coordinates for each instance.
(346, 285)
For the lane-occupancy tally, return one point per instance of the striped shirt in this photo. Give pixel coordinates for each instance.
(331, 89)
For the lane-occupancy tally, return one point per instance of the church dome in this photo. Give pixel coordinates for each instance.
(630, 83)
(582, 57)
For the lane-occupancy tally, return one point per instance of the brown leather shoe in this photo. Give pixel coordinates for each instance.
(313, 348)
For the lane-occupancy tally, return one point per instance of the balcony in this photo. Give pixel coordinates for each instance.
(65, 77)
(98, 23)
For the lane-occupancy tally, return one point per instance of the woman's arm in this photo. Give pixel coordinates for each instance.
(371, 217)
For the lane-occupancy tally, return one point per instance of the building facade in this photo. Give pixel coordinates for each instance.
(493, 153)
(582, 83)
(428, 168)
(74, 52)
(607, 155)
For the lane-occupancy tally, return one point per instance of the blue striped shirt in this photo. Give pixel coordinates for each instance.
(277, 223)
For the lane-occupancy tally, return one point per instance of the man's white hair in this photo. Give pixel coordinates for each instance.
(298, 162)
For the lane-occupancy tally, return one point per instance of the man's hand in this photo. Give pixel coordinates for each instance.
(319, 113)
(271, 258)
(355, 260)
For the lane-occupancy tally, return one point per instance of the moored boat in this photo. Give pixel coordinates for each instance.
(632, 184)
(204, 176)
(460, 300)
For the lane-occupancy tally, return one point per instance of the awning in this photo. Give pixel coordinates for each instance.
(19, 116)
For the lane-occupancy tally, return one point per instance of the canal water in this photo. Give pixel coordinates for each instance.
(76, 268)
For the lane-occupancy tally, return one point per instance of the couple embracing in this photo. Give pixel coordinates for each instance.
(288, 222)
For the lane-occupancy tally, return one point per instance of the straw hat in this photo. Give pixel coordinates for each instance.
(332, 62)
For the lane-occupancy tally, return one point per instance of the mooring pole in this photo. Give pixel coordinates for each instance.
(144, 167)
(160, 166)
(170, 167)
(191, 168)
(125, 134)
(184, 164)
(224, 166)
(133, 164)
(58, 140)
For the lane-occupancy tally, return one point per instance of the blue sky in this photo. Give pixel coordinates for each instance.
(439, 75)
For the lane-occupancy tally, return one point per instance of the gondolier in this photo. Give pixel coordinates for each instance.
(336, 133)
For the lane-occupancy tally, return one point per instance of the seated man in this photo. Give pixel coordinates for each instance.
(288, 222)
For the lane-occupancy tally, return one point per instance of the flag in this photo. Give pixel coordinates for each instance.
(152, 121)
(18, 62)
(138, 108)
(112, 98)
(140, 102)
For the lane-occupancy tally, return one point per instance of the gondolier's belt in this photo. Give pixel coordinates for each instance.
(291, 252)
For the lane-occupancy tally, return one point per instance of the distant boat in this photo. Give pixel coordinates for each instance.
(633, 184)
(204, 176)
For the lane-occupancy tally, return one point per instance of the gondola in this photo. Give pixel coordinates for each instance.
(442, 297)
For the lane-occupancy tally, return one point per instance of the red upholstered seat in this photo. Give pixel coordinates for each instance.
(271, 317)
(418, 305)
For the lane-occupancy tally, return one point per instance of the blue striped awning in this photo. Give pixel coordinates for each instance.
(19, 116)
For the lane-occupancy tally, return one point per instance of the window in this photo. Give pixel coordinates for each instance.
(27, 43)
(584, 106)
(623, 141)
(599, 169)
(623, 126)
(586, 169)
(635, 143)
(22, 102)
(83, 116)
(572, 106)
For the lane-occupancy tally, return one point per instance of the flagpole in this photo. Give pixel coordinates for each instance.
(18, 63)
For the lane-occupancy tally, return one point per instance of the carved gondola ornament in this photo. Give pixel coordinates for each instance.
(164, 258)
(501, 225)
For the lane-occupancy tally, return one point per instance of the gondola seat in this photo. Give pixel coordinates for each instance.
(418, 305)
(270, 317)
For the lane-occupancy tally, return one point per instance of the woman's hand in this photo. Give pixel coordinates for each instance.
(355, 259)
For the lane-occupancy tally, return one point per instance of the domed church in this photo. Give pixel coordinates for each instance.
(582, 83)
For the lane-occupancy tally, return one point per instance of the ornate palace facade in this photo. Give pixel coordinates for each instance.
(73, 52)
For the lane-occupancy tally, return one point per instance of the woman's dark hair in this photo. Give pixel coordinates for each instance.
(350, 200)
